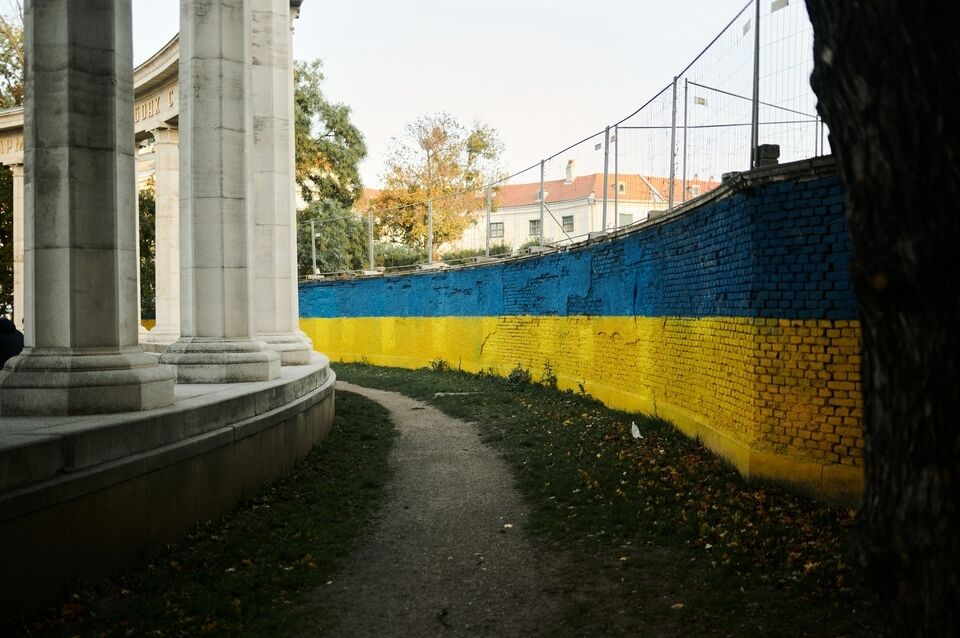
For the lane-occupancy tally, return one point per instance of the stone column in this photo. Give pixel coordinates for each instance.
(167, 235)
(80, 269)
(216, 223)
(276, 306)
(18, 305)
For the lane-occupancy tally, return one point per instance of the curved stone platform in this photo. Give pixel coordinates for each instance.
(82, 496)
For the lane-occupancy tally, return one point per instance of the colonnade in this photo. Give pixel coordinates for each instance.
(226, 246)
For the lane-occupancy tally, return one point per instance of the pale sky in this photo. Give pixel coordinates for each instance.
(544, 74)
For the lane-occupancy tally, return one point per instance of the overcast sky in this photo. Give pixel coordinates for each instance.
(543, 73)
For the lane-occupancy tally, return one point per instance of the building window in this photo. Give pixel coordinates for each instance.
(625, 219)
(695, 190)
(621, 187)
(496, 230)
(567, 222)
(534, 228)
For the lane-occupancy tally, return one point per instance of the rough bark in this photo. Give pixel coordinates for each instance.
(886, 76)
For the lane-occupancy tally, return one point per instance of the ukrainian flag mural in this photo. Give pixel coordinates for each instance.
(734, 319)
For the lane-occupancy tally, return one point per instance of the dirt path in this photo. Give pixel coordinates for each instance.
(448, 555)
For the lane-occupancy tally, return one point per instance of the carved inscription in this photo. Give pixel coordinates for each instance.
(11, 144)
(146, 109)
(160, 105)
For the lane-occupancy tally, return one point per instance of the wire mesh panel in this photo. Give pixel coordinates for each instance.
(788, 106)
(645, 158)
(716, 108)
(673, 148)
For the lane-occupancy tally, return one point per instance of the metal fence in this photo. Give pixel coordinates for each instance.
(748, 87)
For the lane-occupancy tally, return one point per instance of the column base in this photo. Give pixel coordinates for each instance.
(64, 381)
(159, 339)
(205, 360)
(295, 349)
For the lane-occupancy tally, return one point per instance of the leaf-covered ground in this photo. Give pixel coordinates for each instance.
(242, 574)
(681, 539)
(650, 535)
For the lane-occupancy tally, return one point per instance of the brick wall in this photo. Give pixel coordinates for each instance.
(734, 317)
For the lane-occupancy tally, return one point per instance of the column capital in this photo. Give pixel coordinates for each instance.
(16, 169)
(165, 134)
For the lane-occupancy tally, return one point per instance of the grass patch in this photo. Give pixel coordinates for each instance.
(243, 574)
(660, 516)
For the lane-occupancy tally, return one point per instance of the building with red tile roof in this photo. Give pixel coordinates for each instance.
(574, 207)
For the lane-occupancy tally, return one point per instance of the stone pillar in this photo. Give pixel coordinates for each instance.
(80, 269)
(18, 304)
(216, 223)
(276, 307)
(167, 235)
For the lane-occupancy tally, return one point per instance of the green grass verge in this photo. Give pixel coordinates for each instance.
(746, 558)
(245, 573)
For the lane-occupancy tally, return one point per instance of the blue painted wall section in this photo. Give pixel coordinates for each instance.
(781, 251)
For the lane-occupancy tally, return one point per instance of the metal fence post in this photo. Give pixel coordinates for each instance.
(816, 137)
(606, 173)
(430, 231)
(542, 203)
(489, 210)
(683, 195)
(313, 244)
(373, 265)
(616, 175)
(673, 146)
(755, 118)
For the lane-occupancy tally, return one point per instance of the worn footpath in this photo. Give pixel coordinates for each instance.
(447, 555)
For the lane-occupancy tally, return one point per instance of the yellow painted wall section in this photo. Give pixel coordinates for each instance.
(778, 398)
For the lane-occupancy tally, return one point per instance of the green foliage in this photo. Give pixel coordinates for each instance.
(519, 375)
(392, 255)
(148, 250)
(528, 244)
(439, 365)
(329, 151)
(549, 378)
(438, 160)
(329, 147)
(342, 239)
(457, 256)
(238, 576)
(732, 558)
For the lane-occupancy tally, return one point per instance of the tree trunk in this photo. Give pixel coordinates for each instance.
(886, 76)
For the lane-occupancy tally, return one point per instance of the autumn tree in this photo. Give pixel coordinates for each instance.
(437, 160)
(885, 74)
(11, 58)
(329, 149)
